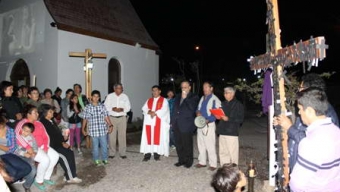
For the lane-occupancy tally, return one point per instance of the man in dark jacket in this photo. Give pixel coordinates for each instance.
(182, 121)
(228, 127)
(297, 131)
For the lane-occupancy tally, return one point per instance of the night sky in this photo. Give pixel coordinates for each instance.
(229, 32)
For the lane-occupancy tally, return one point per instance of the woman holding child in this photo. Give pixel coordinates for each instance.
(45, 156)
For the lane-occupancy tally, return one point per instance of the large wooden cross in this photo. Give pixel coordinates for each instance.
(310, 51)
(88, 55)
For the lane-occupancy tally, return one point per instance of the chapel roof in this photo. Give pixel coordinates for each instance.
(114, 20)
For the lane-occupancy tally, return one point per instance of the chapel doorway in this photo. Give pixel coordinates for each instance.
(20, 74)
(114, 74)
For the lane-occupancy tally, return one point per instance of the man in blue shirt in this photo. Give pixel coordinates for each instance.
(206, 136)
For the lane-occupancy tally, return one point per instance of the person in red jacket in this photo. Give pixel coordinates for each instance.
(48, 157)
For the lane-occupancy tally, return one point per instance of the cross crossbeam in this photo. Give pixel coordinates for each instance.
(305, 51)
(88, 55)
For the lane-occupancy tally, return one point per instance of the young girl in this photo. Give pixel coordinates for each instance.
(73, 112)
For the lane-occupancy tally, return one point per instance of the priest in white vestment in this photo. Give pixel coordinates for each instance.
(155, 135)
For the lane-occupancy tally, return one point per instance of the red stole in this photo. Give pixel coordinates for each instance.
(157, 128)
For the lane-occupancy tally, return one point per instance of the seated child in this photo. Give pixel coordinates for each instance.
(26, 133)
(229, 178)
(37, 154)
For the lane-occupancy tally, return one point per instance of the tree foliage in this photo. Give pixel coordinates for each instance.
(253, 90)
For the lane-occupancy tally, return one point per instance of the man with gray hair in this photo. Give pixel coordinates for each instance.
(118, 104)
(228, 127)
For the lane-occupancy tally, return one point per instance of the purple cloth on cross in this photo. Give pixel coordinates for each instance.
(267, 91)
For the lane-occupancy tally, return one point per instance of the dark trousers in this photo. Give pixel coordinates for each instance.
(172, 137)
(16, 167)
(67, 162)
(29, 179)
(184, 146)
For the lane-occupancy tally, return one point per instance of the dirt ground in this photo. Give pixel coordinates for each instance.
(132, 174)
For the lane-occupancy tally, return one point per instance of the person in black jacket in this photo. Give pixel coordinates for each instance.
(58, 143)
(182, 121)
(10, 104)
(228, 127)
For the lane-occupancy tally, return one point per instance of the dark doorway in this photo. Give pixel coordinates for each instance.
(114, 73)
(20, 74)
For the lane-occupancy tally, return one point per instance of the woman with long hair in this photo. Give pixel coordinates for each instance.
(58, 142)
(10, 104)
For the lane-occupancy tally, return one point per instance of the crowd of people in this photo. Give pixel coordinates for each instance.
(32, 140)
(314, 137)
(178, 116)
(40, 130)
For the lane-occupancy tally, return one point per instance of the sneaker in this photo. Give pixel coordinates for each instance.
(77, 180)
(105, 162)
(49, 182)
(40, 187)
(74, 180)
(97, 162)
(79, 151)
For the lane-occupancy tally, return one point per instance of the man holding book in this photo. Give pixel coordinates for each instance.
(228, 127)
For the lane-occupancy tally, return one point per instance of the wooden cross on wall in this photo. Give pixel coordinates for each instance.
(88, 55)
(310, 51)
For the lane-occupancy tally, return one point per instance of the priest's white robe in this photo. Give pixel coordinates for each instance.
(155, 135)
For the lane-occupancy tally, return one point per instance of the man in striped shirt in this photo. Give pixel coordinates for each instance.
(318, 164)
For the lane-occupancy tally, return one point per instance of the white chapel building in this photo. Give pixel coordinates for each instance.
(36, 37)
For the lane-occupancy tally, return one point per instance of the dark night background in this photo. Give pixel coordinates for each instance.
(229, 32)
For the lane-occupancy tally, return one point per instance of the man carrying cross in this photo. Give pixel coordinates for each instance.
(317, 167)
(297, 131)
(310, 51)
